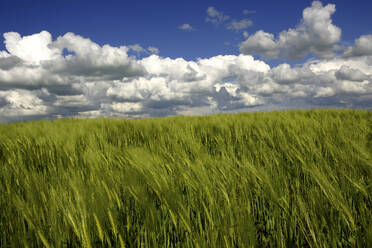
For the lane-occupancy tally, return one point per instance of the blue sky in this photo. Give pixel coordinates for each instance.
(312, 60)
(154, 23)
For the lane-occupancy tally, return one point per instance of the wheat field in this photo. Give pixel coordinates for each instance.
(295, 178)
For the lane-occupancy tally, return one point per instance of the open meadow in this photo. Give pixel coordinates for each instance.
(274, 179)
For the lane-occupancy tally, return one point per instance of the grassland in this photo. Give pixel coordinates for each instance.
(276, 179)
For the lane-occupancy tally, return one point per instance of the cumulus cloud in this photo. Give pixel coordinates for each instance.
(216, 17)
(92, 80)
(37, 79)
(126, 107)
(285, 74)
(349, 79)
(90, 59)
(362, 47)
(95, 81)
(179, 84)
(18, 103)
(8, 61)
(239, 25)
(316, 34)
(36, 61)
(229, 96)
(260, 43)
(33, 48)
(347, 73)
(186, 26)
(324, 92)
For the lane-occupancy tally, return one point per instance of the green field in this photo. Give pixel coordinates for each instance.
(274, 179)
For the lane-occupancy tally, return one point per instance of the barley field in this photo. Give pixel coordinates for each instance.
(295, 178)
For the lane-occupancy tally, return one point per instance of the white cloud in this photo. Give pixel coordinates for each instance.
(173, 68)
(155, 88)
(176, 82)
(324, 92)
(90, 59)
(347, 73)
(96, 81)
(137, 48)
(249, 100)
(126, 107)
(71, 101)
(18, 103)
(238, 25)
(27, 77)
(261, 43)
(153, 50)
(216, 17)
(285, 74)
(362, 47)
(33, 48)
(352, 87)
(186, 26)
(316, 34)
(361, 63)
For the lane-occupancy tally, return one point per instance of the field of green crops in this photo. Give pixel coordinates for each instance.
(274, 179)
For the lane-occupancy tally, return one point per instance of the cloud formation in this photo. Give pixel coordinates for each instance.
(33, 48)
(350, 74)
(137, 48)
(362, 47)
(315, 34)
(71, 75)
(216, 17)
(186, 26)
(239, 25)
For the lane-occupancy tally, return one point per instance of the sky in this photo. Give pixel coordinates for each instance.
(128, 59)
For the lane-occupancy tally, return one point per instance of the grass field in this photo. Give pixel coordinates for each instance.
(275, 179)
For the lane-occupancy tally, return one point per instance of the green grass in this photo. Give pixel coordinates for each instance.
(276, 179)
